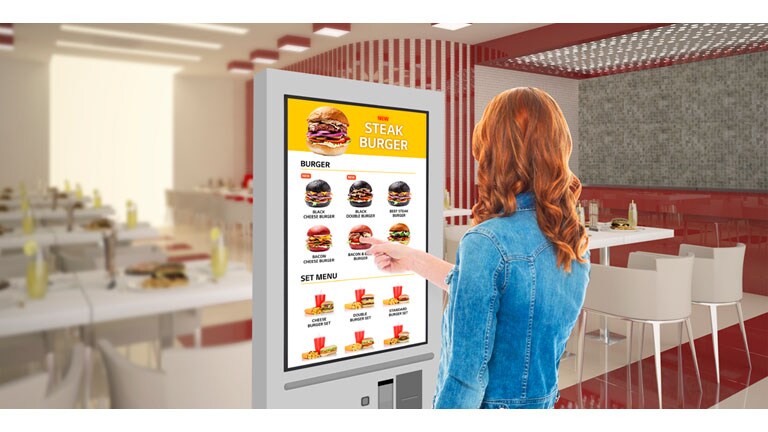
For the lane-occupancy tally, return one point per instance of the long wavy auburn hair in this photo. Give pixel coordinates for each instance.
(522, 143)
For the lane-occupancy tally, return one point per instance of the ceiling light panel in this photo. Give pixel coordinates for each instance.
(97, 31)
(219, 28)
(648, 48)
(129, 51)
(451, 26)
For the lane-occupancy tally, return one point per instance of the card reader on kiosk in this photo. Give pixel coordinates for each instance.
(334, 161)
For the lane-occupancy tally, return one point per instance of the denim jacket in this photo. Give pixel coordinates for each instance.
(511, 310)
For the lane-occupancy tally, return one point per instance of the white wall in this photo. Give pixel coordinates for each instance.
(23, 122)
(491, 81)
(209, 130)
(112, 129)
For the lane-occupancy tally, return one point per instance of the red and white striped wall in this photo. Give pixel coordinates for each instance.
(426, 64)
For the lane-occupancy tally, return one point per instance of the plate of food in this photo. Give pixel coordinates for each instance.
(621, 224)
(161, 279)
(4, 284)
(98, 225)
(150, 267)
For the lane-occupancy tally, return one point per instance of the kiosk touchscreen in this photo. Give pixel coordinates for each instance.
(336, 161)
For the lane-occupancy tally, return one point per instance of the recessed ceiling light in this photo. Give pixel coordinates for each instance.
(6, 29)
(240, 67)
(129, 51)
(293, 43)
(451, 26)
(215, 28)
(264, 56)
(139, 36)
(334, 30)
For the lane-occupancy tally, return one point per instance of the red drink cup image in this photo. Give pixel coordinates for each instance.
(359, 336)
(319, 343)
(398, 329)
(319, 299)
(359, 293)
(397, 291)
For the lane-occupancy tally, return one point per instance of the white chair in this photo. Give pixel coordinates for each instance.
(651, 290)
(215, 377)
(453, 235)
(31, 391)
(717, 281)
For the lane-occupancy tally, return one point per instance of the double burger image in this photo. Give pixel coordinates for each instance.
(318, 194)
(360, 194)
(362, 300)
(356, 233)
(319, 239)
(399, 194)
(327, 131)
(399, 233)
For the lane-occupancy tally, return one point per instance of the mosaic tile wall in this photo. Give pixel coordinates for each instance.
(698, 125)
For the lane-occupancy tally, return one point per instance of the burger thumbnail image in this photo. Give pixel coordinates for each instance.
(356, 233)
(365, 343)
(404, 337)
(319, 239)
(325, 351)
(325, 307)
(360, 194)
(366, 301)
(397, 300)
(399, 233)
(399, 194)
(327, 131)
(318, 194)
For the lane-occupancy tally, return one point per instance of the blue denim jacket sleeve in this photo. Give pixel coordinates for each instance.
(471, 322)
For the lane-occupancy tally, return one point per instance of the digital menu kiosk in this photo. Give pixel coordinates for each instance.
(335, 161)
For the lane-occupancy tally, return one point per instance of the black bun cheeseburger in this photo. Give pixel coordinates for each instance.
(399, 194)
(318, 239)
(327, 131)
(318, 194)
(360, 194)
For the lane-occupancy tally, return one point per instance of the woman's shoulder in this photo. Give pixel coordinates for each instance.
(514, 235)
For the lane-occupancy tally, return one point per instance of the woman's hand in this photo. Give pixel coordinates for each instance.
(389, 257)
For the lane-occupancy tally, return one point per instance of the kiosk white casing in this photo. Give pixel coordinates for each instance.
(403, 378)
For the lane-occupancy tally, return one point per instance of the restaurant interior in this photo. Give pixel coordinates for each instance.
(127, 198)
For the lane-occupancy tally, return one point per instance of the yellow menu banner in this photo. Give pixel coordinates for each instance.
(371, 131)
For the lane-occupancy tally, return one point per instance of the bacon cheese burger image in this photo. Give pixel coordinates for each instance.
(327, 131)
(319, 239)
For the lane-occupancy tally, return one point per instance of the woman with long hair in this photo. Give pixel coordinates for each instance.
(521, 271)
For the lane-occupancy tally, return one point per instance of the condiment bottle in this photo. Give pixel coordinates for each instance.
(632, 216)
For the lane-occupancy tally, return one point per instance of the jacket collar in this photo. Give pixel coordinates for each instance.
(525, 201)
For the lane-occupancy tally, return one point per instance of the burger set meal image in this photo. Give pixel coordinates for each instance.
(362, 300)
(361, 342)
(327, 131)
(322, 306)
(400, 336)
(397, 297)
(320, 350)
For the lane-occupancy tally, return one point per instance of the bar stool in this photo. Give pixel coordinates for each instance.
(717, 281)
(651, 290)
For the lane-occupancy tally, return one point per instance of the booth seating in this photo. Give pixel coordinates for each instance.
(32, 391)
(213, 377)
(651, 290)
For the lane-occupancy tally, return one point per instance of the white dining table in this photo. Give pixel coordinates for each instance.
(58, 235)
(16, 238)
(452, 212)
